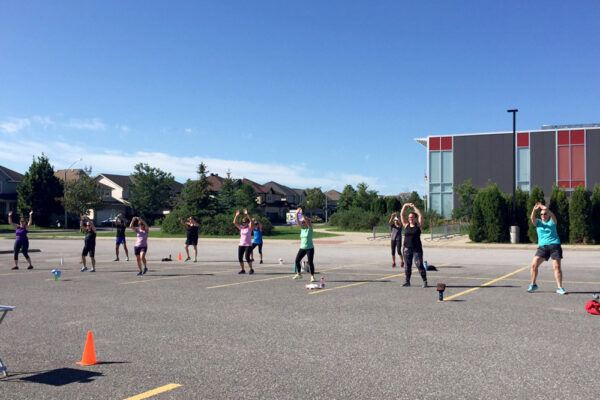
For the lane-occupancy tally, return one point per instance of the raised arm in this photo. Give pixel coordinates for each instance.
(403, 214)
(131, 223)
(30, 219)
(532, 217)
(419, 215)
(550, 213)
(248, 216)
(392, 218)
(92, 225)
(237, 214)
(10, 221)
(298, 212)
(182, 222)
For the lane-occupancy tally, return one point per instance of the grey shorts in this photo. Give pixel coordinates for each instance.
(553, 251)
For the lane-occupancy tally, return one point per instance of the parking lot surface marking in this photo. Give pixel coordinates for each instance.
(486, 284)
(154, 392)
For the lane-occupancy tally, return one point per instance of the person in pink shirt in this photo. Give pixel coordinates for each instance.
(141, 244)
(245, 247)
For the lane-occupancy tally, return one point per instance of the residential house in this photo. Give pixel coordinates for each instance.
(9, 180)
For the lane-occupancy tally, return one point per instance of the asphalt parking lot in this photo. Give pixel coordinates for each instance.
(217, 335)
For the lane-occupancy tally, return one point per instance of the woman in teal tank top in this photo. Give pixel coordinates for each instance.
(306, 245)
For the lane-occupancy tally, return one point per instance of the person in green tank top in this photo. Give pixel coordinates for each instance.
(306, 245)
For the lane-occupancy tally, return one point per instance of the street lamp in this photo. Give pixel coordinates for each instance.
(514, 180)
(65, 188)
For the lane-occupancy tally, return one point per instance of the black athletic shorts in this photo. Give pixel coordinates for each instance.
(88, 249)
(192, 240)
(553, 251)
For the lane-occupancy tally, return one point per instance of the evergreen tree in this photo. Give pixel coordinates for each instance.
(346, 198)
(82, 194)
(559, 205)
(466, 192)
(580, 212)
(416, 200)
(393, 204)
(522, 215)
(39, 192)
(315, 200)
(595, 203)
(536, 196)
(225, 198)
(477, 228)
(379, 206)
(151, 191)
(245, 197)
(364, 198)
(195, 198)
(495, 214)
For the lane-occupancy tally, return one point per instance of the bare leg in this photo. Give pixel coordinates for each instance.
(187, 251)
(93, 262)
(83, 260)
(557, 272)
(195, 252)
(126, 251)
(117, 251)
(535, 263)
(143, 254)
(139, 261)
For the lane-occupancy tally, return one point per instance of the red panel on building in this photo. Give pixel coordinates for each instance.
(447, 143)
(564, 165)
(434, 143)
(563, 184)
(577, 137)
(563, 137)
(574, 184)
(523, 139)
(577, 163)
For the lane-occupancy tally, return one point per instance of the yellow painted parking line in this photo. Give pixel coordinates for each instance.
(154, 392)
(263, 280)
(486, 284)
(146, 280)
(353, 284)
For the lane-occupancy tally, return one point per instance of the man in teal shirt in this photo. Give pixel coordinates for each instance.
(548, 246)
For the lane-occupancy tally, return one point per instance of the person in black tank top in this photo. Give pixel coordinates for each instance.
(191, 227)
(121, 224)
(89, 243)
(413, 249)
(396, 239)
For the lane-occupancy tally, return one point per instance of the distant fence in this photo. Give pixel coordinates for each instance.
(446, 231)
(380, 232)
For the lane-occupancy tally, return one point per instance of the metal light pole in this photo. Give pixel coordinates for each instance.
(514, 172)
(65, 187)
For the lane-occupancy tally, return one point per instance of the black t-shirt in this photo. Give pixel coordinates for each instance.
(192, 232)
(90, 238)
(412, 238)
(121, 231)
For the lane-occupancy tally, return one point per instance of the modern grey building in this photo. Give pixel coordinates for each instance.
(561, 155)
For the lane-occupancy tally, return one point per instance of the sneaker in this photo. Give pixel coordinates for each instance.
(406, 284)
(393, 265)
(126, 258)
(140, 273)
(83, 269)
(30, 267)
(15, 267)
(145, 270)
(261, 261)
(241, 272)
(188, 259)
(561, 291)
(116, 259)
(532, 288)
(312, 278)
(425, 284)
(402, 264)
(251, 272)
(297, 276)
(195, 260)
(93, 270)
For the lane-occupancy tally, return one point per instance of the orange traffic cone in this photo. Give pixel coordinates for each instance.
(89, 353)
(179, 256)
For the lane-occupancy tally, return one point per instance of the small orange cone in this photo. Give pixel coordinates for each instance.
(180, 256)
(89, 353)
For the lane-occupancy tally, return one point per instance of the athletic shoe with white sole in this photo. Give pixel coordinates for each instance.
(532, 288)
(298, 276)
(561, 291)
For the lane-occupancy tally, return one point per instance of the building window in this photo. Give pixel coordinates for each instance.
(523, 163)
(570, 153)
(107, 192)
(441, 176)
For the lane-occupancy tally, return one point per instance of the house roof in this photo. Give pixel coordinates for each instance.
(72, 174)
(14, 175)
(121, 180)
(279, 188)
(257, 187)
(215, 182)
(300, 192)
(333, 195)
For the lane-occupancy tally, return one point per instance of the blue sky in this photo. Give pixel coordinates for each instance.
(306, 93)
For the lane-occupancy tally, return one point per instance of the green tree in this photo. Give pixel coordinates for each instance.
(195, 199)
(378, 206)
(245, 197)
(151, 191)
(364, 198)
(314, 200)
(466, 192)
(346, 198)
(477, 228)
(82, 194)
(393, 204)
(495, 214)
(535, 196)
(39, 191)
(225, 198)
(416, 200)
(559, 205)
(580, 212)
(522, 215)
(595, 201)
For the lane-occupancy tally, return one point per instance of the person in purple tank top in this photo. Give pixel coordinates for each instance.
(21, 240)
(141, 244)
(245, 247)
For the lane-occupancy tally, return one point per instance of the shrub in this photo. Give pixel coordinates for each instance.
(559, 205)
(536, 196)
(579, 214)
(595, 202)
(489, 221)
(355, 219)
(477, 228)
(522, 215)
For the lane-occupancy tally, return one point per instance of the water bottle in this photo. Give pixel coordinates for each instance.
(425, 265)
(322, 283)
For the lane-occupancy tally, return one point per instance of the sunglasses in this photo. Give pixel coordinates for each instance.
(543, 213)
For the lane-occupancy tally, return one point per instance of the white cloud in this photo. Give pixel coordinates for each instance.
(14, 125)
(188, 130)
(45, 122)
(90, 125)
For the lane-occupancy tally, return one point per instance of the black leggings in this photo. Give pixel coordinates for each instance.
(397, 246)
(259, 247)
(21, 246)
(244, 250)
(417, 256)
(301, 253)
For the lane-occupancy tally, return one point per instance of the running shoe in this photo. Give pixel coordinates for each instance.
(127, 258)
(297, 276)
(140, 273)
(195, 260)
(251, 272)
(241, 272)
(532, 288)
(188, 259)
(83, 269)
(15, 267)
(425, 284)
(402, 264)
(30, 267)
(145, 270)
(312, 278)
(406, 284)
(116, 259)
(561, 291)
(261, 261)
(93, 269)
(393, 265)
